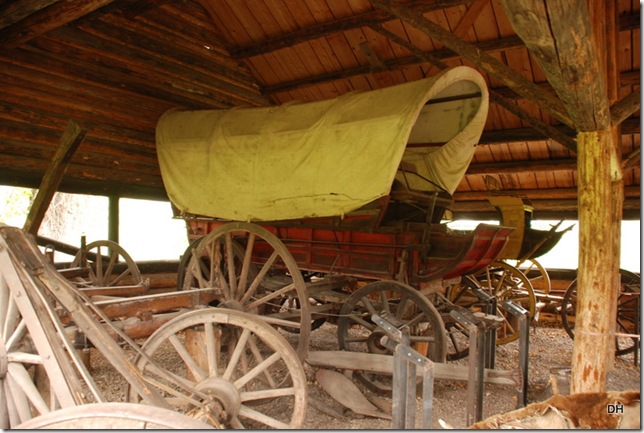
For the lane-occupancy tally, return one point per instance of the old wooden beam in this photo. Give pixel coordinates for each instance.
(522, 166)
(443, 55)
(325, 29)
(493, 66)
(12, 12)
(536, 194)
(624, 108)
(560, 36)
(47, 19)
(629, 126)
(542, 127)
(538, 124)
(543, 209)
(72, 137)
(632, 159)
(384, 364)
(473, 12)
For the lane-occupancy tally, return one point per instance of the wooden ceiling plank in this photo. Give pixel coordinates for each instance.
(483, 60)
(473, 12)
(47, 19)
(52, 52)
(12, 12)
(559, 35)
(155, 51)
(132, 66)
(198, 51)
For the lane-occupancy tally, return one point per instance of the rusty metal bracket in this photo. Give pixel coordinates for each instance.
(406, 361)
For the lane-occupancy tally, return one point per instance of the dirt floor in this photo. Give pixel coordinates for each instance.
(549, 357)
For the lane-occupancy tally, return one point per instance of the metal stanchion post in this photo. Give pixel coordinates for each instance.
(524, 327)
(476, 329)
(406, 361)
(490, 333)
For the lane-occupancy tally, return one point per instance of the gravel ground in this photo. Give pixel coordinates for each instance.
(550, 354)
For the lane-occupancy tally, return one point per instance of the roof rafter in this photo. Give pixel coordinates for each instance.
(339, 25)
(481, 59)
(538, 124)
(45, 18)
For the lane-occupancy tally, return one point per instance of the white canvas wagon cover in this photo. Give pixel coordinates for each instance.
(324, 158)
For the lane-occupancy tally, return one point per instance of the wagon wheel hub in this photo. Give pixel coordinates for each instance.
(4, 359)
(374, 344)
(232, 304)
(224, 393)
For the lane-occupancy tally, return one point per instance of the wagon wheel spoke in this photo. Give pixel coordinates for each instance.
(253, 272)
(536, 273)
(250, 292)
(357, 333)
(463, 295)
(250, 368)
(246, 263)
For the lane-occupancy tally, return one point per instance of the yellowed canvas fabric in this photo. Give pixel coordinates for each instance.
(322, 158)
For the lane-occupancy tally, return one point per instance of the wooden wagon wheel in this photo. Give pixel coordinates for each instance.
(229, 368)
(505, 282)
(628, 311)
(536, 273)
(268, 283)
(458, 337)
(113, 416)
(358, 333)
(105, 260)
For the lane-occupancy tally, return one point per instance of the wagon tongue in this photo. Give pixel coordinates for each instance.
(347, 393)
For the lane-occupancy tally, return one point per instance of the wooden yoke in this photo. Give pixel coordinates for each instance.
(69, 142)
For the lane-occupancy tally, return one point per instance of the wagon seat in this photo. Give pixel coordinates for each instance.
(409, 205)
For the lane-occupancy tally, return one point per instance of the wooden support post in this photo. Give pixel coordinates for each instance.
(601, 201)
(113, 219)
(69, 142)
(594, 349)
